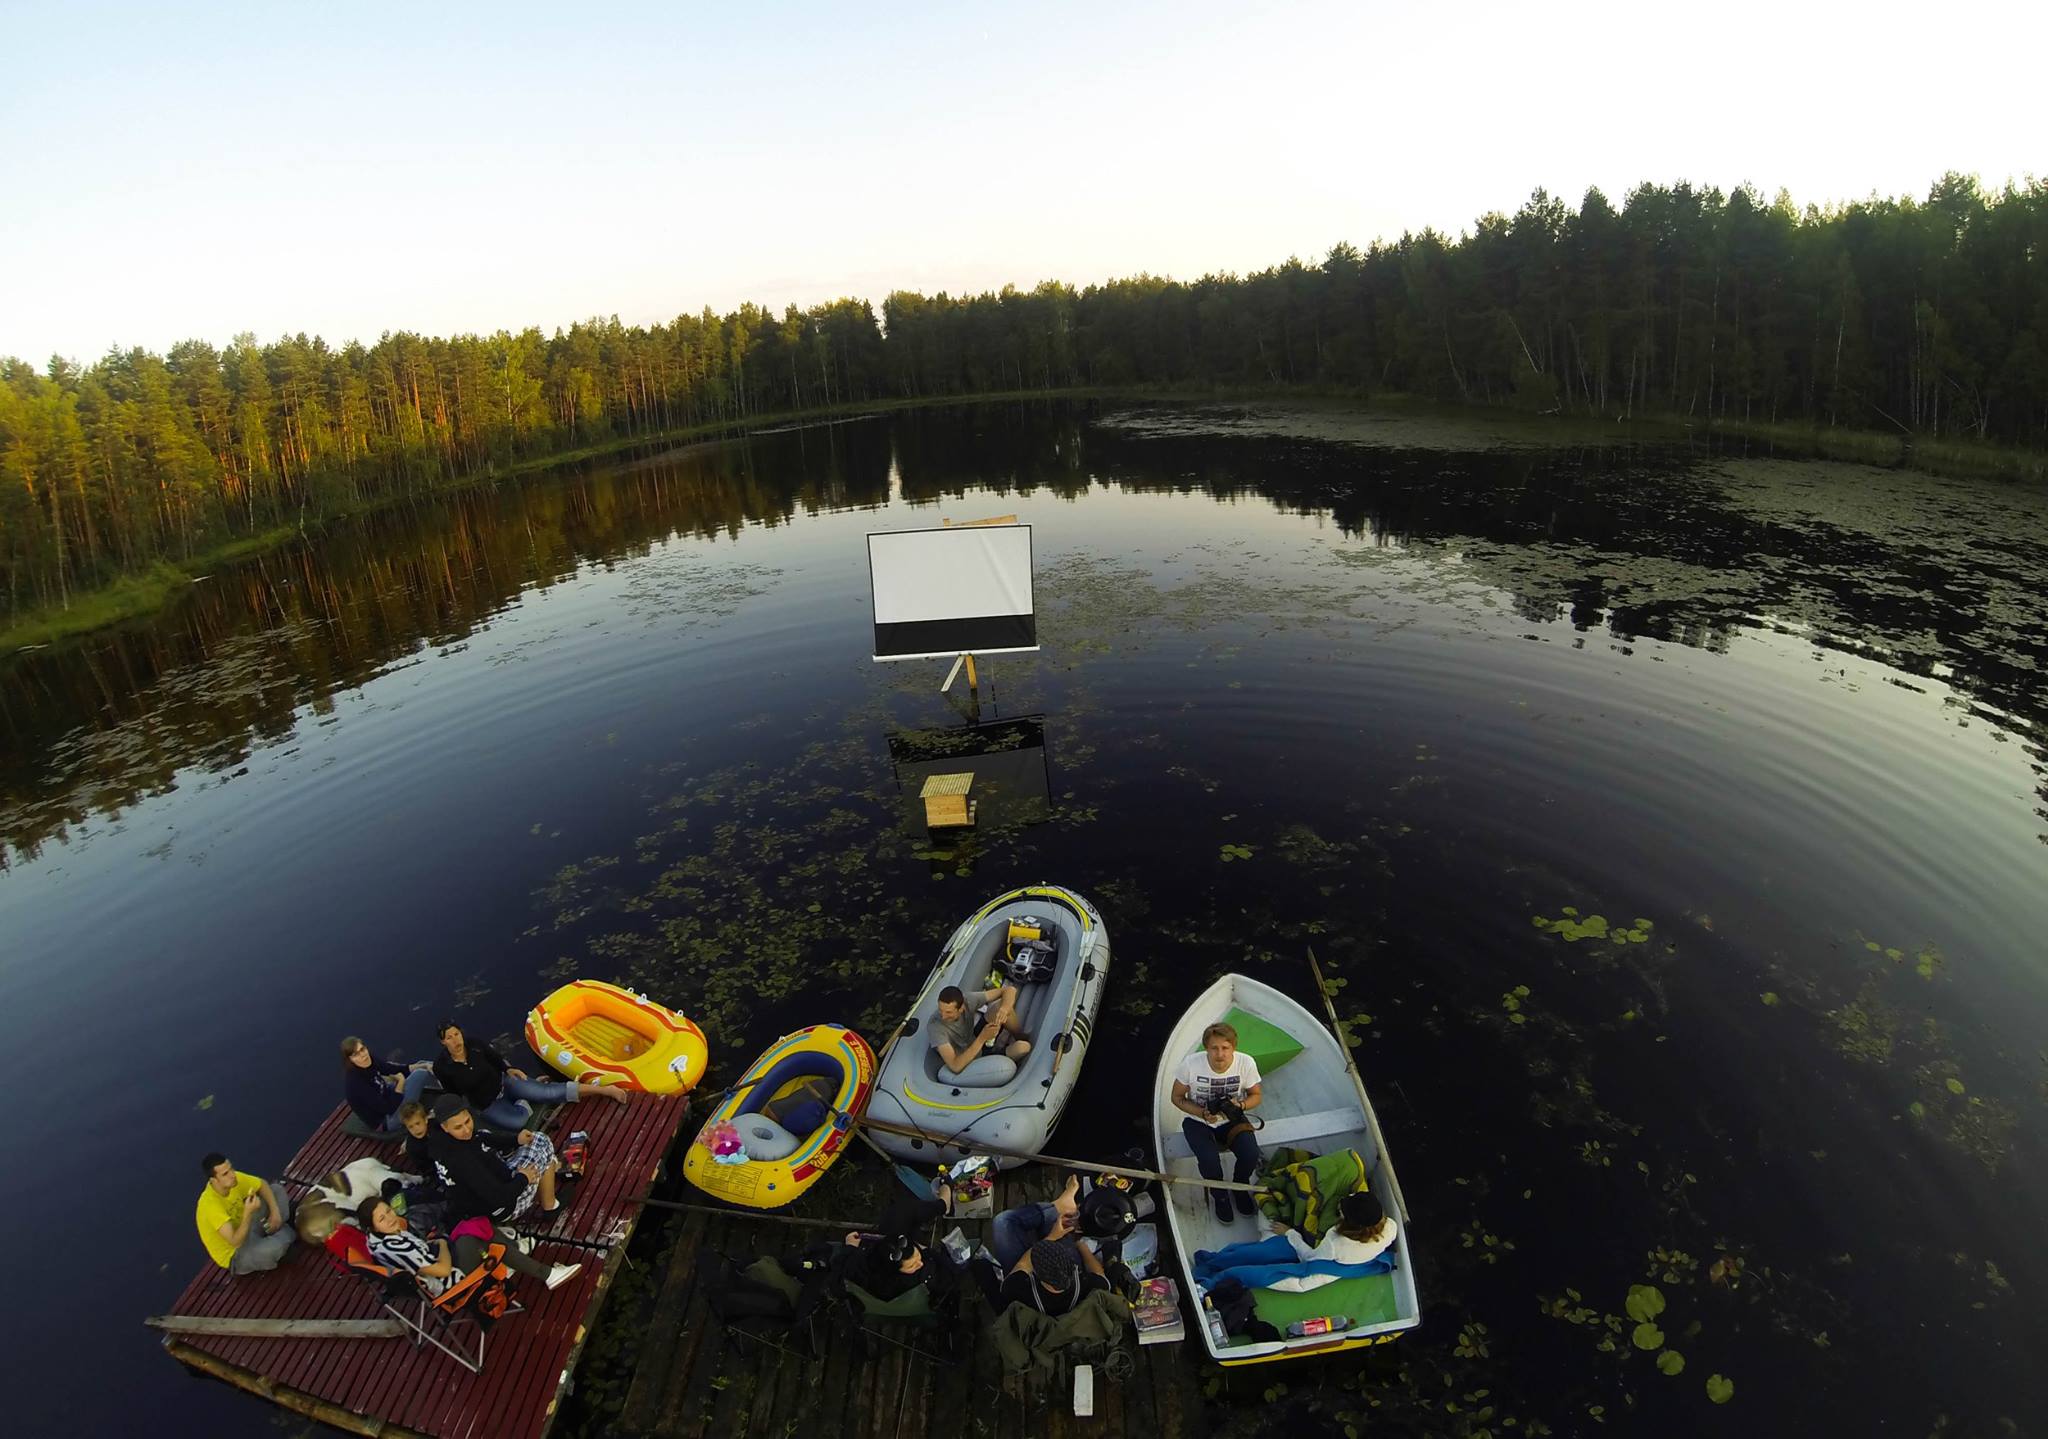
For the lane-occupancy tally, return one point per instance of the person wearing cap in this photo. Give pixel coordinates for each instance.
(500, 1096)
(1052, 1277)
(1016, 1230)
(890, 1263)
(487, 1174)
(1363, 1232)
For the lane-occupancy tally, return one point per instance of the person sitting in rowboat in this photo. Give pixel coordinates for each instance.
(498, 1094)
(1363, 1232)
(486, 1175)
(961, 1038)
(1208, 1086)
(440, 1262)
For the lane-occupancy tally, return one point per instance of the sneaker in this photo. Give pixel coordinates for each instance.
(1222, 1202)
(1244, 1203)
(562, 1273)
(523, 1243)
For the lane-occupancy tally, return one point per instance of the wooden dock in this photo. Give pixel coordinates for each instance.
(689, 1378)
(388, 1386)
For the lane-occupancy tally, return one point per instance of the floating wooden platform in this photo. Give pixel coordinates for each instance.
(689, 1378)
(389, 1387)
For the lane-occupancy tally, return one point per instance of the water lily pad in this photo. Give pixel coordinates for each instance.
(1670, 1362)
(1955, 1086)
(1647, 1336)
(1571, 911)
(206, 1102)
(1769, 996)
(1720, 1389)
(1645, 1302)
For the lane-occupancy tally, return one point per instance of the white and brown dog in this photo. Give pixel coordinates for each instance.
(335, 1200)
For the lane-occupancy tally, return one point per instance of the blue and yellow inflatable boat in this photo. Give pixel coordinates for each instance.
(789, 1117)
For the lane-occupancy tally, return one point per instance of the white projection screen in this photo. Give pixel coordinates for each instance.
(957, 591)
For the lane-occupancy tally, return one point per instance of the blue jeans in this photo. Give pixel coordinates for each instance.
(1205, 1143)
(260, 1251)
(1016, 1230)
(508, 1115)
(415, 1083)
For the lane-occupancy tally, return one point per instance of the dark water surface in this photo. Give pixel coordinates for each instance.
(1777, 724)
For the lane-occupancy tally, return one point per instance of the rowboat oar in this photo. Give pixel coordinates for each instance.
(1372, 1121)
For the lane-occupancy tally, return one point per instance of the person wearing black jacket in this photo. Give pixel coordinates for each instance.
(374, 1088)
(500, 1096)
(891, 1263)
(487, 1174)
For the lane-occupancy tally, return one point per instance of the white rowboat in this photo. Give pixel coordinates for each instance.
(1317, 1102)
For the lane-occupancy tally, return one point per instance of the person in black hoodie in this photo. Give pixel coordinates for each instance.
(499, 1095)
(486, 1174)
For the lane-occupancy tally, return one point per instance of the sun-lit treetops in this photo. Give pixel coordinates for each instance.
(1923, 317)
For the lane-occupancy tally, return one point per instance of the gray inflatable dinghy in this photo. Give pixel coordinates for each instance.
(996, 1101)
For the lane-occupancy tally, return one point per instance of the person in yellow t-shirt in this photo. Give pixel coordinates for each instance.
(242, 1219)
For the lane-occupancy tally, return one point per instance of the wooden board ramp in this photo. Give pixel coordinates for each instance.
(688, 1378)
(388, 1386)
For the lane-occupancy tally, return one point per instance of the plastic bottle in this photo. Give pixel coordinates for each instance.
(1328, 1324)
(1218, 1335)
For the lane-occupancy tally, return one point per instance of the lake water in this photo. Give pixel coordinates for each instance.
(1425, 694)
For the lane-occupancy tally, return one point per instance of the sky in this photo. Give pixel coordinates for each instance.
(178, 172)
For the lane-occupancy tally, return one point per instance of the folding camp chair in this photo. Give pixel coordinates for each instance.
(883, 1319)
(465, 1310)
(762, 1303)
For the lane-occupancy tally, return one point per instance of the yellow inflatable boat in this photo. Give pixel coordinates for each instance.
(598, 1033)
(786, 1121)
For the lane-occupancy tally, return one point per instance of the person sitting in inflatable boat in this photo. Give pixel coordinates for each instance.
(961, 1038)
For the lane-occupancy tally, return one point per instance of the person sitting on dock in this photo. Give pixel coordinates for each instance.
(414, 1119)
(961, 1038)
(501, 1097)
(375, 1088)
(1205, 1084)
(242, 1219)
(485, 1175)
(890, 1263)
(438, 1262)
(1052, 1277)
(1017, 1229)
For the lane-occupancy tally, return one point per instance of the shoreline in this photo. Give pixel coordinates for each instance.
(151, 591)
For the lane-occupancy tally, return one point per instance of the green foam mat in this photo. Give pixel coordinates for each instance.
(1267, 1043)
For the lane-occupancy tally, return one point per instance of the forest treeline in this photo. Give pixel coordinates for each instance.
(1922, 317)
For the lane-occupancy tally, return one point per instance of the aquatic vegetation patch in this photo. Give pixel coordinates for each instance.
(1570, 928)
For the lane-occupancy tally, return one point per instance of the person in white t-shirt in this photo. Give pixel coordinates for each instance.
(1219, 1075)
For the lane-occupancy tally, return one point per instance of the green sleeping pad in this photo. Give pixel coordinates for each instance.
(1369, 1300)
(1267, 1043)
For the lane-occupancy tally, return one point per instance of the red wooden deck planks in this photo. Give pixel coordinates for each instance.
(422, 1389)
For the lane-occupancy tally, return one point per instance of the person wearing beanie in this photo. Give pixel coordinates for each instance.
(1362, 1233)
(1052, 1277)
